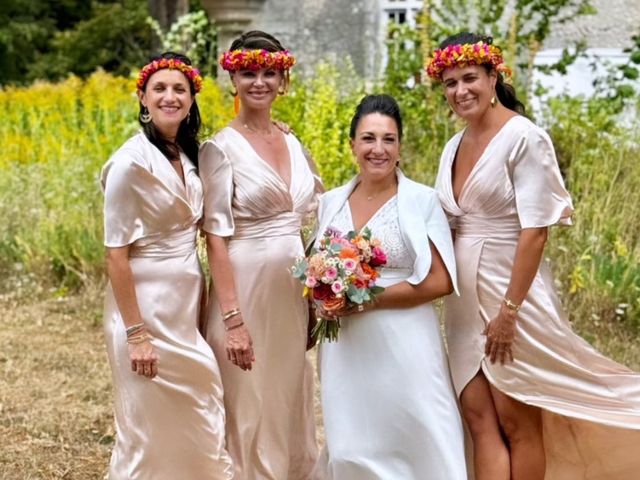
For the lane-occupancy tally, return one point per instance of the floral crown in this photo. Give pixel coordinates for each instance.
(234, 60)
(193, 74)
(462, 55)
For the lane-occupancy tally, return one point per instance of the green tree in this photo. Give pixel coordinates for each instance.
(26, 29)
(116, 37)
(49, 39)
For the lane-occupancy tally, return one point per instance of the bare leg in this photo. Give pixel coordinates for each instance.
(490, 454)
(522, 425)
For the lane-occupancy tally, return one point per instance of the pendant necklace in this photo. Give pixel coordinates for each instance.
(375, 195)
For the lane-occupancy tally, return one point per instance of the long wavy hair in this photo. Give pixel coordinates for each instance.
(187, 137)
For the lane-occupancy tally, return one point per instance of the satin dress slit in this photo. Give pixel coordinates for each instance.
(590, 404)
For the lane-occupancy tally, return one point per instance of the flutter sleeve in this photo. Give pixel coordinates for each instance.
(439, 233)
(216, 174)
(541, 197)
(421, 217)
(122, 181)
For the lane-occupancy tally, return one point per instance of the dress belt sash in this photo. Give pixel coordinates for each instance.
(280, 224)
(172, 244)
(474, 226)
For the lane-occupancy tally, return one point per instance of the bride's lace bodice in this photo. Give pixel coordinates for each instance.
(385, 226)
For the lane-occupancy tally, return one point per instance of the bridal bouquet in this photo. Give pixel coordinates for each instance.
(340, 273)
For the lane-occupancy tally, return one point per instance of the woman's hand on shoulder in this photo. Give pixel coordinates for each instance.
(283, 127)
(144, 360)
(500, 333)
(239, 344)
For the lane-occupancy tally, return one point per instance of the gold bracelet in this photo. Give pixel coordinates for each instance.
(233, 327)
(231, 313)
(514, 307)
(133, 329)
(137, 340)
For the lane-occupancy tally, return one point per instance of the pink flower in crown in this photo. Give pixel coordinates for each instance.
(311, 282)
(337, 287)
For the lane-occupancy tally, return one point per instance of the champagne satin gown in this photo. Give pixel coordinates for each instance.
(172, 426)
(270, 423)
(590, 404)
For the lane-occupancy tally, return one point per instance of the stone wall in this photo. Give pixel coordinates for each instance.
(325, 29)
(612, 27)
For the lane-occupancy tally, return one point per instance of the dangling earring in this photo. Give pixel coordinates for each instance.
(282, 90)
(188, 117)
(234, 92)
(145, 116)
(494, 101)
(449, 105)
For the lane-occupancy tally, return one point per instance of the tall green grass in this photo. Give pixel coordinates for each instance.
(598, 259)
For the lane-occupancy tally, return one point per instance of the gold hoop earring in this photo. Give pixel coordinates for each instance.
(282, 90)
(234, 92)
(145, 116)
(494, 101)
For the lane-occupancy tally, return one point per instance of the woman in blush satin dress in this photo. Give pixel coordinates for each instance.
(259, 191)
(389, 408)
(167, 387)
(539, 401)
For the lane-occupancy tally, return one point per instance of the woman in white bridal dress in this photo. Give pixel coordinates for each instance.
(389, 407)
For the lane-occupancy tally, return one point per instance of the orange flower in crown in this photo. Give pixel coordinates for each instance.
(462, 55)
(192, 74)
(234, 60)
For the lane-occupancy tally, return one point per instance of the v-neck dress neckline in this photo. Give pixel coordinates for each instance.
(479, 162)
(267, 164)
